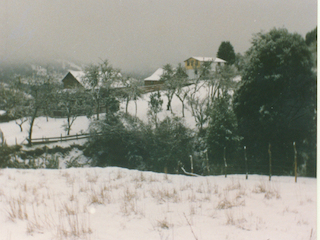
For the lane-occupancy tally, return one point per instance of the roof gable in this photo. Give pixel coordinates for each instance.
(156, 75)
(207, 59)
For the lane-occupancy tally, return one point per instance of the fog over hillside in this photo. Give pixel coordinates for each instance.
(141, 35)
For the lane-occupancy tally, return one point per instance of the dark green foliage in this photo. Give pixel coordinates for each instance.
(113, 147)
(226, 52)
(239, 62)
(222, 131)
(311, 41)
(311, 36)
(155, 107)
(6, 153)
(277, 100)
(128, 142)
(171, 145)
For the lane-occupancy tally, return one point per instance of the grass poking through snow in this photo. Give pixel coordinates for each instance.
(128, 204)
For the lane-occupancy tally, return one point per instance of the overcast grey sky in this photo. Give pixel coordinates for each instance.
(141, 34)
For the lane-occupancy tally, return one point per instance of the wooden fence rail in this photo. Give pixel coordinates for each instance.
(45, 140)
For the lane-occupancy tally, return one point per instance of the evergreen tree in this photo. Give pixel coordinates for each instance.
(226, 52)
(277, 100)
(311, 36)
(222, 131)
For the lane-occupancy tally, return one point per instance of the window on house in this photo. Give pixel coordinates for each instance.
(192, 63)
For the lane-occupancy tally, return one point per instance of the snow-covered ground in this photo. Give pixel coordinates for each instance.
(115, 203)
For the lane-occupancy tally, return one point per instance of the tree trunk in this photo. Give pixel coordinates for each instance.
(182, 109)
(135, 102)
(31, 125)
(169, 105)
(246, 160)
(68, 125)
(98, 109)
(225, 162)
(270, 163)
(295, 162)
(127, 103)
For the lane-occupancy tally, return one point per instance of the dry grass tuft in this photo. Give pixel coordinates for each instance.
(92, 178)
(260, 188)
(17, 209)
(164, 224)
(233, 186)
(270, 190)
(224, 204)
(129, 202)
(165, 194)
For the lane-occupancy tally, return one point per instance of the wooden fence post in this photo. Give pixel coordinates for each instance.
(225, 162)
(207, 160)
(246, 160)
(191, 162)
(269, 151)
(295, 162)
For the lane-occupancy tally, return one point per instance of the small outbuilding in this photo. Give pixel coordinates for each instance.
(73, 79)
(155, 78)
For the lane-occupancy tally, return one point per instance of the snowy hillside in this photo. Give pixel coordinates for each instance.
(114, 203)
(54, 126)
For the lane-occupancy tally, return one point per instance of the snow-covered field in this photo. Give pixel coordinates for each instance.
(115, 203)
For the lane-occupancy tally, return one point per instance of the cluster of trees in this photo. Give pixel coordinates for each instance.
(43, 95)
(273, 105)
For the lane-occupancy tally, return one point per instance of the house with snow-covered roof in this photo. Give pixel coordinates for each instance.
(73, 79)
(193, 65)
(154, 78)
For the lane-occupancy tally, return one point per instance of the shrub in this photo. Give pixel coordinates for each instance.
(126, 141)
(6, 153)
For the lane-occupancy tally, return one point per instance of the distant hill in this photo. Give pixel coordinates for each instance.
(10, 69)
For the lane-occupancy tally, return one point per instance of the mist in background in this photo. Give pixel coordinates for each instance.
(140, 35)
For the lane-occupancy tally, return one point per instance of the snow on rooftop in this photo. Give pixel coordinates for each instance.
(220, 60)
(204, 59)
(77, 74)
(208, 59)
(155, 76)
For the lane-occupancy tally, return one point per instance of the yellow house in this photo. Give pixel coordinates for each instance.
(193, 64)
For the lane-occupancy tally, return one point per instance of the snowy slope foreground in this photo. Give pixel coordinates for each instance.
(114, 203)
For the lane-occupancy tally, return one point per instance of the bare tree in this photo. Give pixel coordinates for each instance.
(38, 86)
(99, 79)
(74, 103)
(131, 91)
